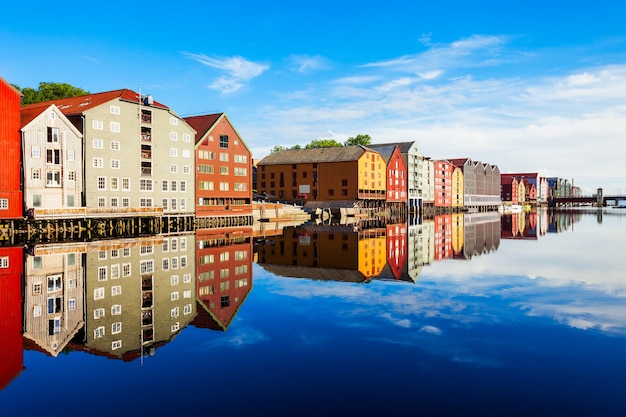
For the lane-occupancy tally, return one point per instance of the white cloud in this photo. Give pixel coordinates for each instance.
(238, 69)
(308, 63)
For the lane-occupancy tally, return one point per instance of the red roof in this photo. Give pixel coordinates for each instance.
(27, 115)
(77, 105)
(202, 124)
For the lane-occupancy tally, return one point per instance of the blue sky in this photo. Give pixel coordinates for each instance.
(531, 87)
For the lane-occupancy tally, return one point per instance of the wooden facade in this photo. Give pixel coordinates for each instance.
(223, 172)
(11, 352)
(346, 173)
(10, 152)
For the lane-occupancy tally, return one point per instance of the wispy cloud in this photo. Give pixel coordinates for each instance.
(238, 71)
(306, 63)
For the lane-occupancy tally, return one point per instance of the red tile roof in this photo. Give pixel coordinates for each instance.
(76, 105)
(202, 124)
(27, 115)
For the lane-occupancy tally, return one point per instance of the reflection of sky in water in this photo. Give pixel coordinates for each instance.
(534, 328)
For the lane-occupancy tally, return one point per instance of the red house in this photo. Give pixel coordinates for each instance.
(224, 274)
(396, 174)
(223, 168)
(11, 352)
(443, 236)
(396, 248)
(443, 183)
(10, 152)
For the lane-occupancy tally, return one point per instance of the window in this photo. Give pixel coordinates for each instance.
(145, 202)
(165, 264)
(173, 152)
(164, 187)
(173, 204)
(37, 311)
(187, 294)
(223, 141)
(102, 273)
(174, 280)
(36, 285)
(183, 186)
(36, 174)
(98, 293)
(54, 283)
(98, 332)
(114, 127)
(183, 243)
(116, 290)
(97, 143)
(71, 175)
(114, 183)
(98, 313)
(115, 145)
(186, 137)
(71, 155)
(53, 178)
(116, 327)
(183, 204)
(53, 156)
(173, 169)
(146, 266)
(115, 163)
(223, 157)
(35, 152)
(173, 121)
(102, 183)
(98, 162)
(116, 344)
(187, 278)
(173, 135)
(174, 312)
(174, 296)
(126, 270)
(126, 185)
(4, 203)
(187, 309)
(126, 252)
(145, 185)
(173, 186)
(164, 204)
(72, 304)
(115, 271)
(97, 124)
(102, 202)
(116, 309)
(186, 169)
(114, 109)
(53, 135)
(223, 170)
(125, 202)
(186, 153)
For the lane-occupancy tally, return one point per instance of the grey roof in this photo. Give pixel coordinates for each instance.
(386, 151)
(404, 146)
(315, 155)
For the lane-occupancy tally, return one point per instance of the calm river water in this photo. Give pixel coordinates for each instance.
(452, 316)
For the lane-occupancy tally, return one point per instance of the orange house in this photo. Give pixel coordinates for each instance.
(443, 183)
(223, 168)
(344, 173)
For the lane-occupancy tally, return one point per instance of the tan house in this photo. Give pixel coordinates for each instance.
(53, 299)
(53, 159)
(139, 293)
(138, 153)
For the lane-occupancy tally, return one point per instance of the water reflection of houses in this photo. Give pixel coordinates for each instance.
(481, 234)
(421, 246)
(139, 294)
(53, 297)
(523, 225)
(224, 274)
(327, 252)
(11, 353)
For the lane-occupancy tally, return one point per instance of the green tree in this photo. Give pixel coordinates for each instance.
(279, 148)
(323, 143)
(359, 140)
(49, 91)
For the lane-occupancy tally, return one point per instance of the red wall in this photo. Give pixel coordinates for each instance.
(11, 352)
(10, 150)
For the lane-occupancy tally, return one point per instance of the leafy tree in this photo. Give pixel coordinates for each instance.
(323, 143)
(359, 140)
(49, 91)
(279, 148)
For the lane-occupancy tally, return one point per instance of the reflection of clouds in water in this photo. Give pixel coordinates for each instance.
(431, 330)
(238, 339)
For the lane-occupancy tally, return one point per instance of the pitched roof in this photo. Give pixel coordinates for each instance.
(18, 92)
(29, 114)
(315, 155)
(386, 152)
(76, 105)
(404, 146)
(202, 124)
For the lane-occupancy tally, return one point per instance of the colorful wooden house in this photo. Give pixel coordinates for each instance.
(223, 173)
(10, 152)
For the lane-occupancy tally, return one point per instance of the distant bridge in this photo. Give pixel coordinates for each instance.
(558, 201)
